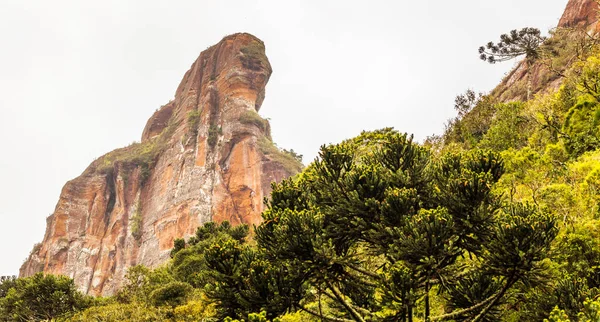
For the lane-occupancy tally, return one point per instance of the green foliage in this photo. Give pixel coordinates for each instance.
(550, 148)
(193, 119)
(136, 155)
(40, 297)
(253, 56)
(136, 221)
(178, 244)
(242, 280)
(252, 118)
(189, 264)
(589, 313)
(213, 135)
(133, 312)
(172, 294)
(291, 161)
(195, 310)
(6, 283)
(526, 41)
(370, 218)
(509, 128)
(475, 114)
(582, 128)
(141, 282)
(498, 221)
(254, 317)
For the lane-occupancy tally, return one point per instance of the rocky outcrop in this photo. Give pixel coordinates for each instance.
(580, 13)
(578, 22)
(205, 156)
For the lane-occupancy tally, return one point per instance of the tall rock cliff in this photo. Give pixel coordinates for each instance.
(205, 156)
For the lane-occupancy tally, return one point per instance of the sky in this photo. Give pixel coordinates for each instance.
(80, 78)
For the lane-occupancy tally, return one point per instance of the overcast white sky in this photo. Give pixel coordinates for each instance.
(80, 78)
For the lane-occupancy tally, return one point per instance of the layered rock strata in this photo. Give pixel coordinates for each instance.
(205, 156)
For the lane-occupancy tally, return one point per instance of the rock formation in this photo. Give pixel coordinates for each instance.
(205, 156)
(580, 13)
(578, 22)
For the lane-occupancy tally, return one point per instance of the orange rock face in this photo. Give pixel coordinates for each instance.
(580, 13)
(200, 160)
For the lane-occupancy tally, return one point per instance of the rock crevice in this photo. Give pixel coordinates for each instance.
(197, 162)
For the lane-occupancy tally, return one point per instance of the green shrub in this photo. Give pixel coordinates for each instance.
(509, 129)
(134, 312)
(582, 128)
(136, 155)
(136, 221)
(291, 162)
(140, 282)
(213, 134)
(193, 119)
(252, 118)
(6, 283)
(253, 56)
(172, 294)
(195, 310)
(41, 297)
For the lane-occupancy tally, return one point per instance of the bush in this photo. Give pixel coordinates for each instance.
(252, 118)
(41, 297)
(194, 310)
(509, 129)
(289, 161)
(193, 119)
(172, 294)
(6, 283)
(136, 155)
(253, 56)
(136, 222)
(213, 135)
(141, 282)
(134, 312)
(582, 128)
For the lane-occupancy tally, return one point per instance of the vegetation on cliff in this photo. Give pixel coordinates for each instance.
(497, 219)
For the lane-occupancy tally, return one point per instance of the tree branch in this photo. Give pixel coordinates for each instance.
(483, 312)
(327, 318)
(362, 271)
(342, 301)
(458, 313)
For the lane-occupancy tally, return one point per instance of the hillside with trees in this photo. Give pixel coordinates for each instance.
(495, 219)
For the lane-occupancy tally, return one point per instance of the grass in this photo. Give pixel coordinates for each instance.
(193, 118)
(253, 56)
(142, 155)
(287, 160)
(250, 117)
(136, 222)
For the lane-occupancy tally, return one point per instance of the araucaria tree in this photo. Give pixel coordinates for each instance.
(526, 41)
(376, 226)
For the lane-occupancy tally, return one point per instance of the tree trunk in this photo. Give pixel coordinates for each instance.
(427, 300)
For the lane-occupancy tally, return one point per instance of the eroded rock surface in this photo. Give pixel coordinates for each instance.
(205, 156)
(580, 13)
